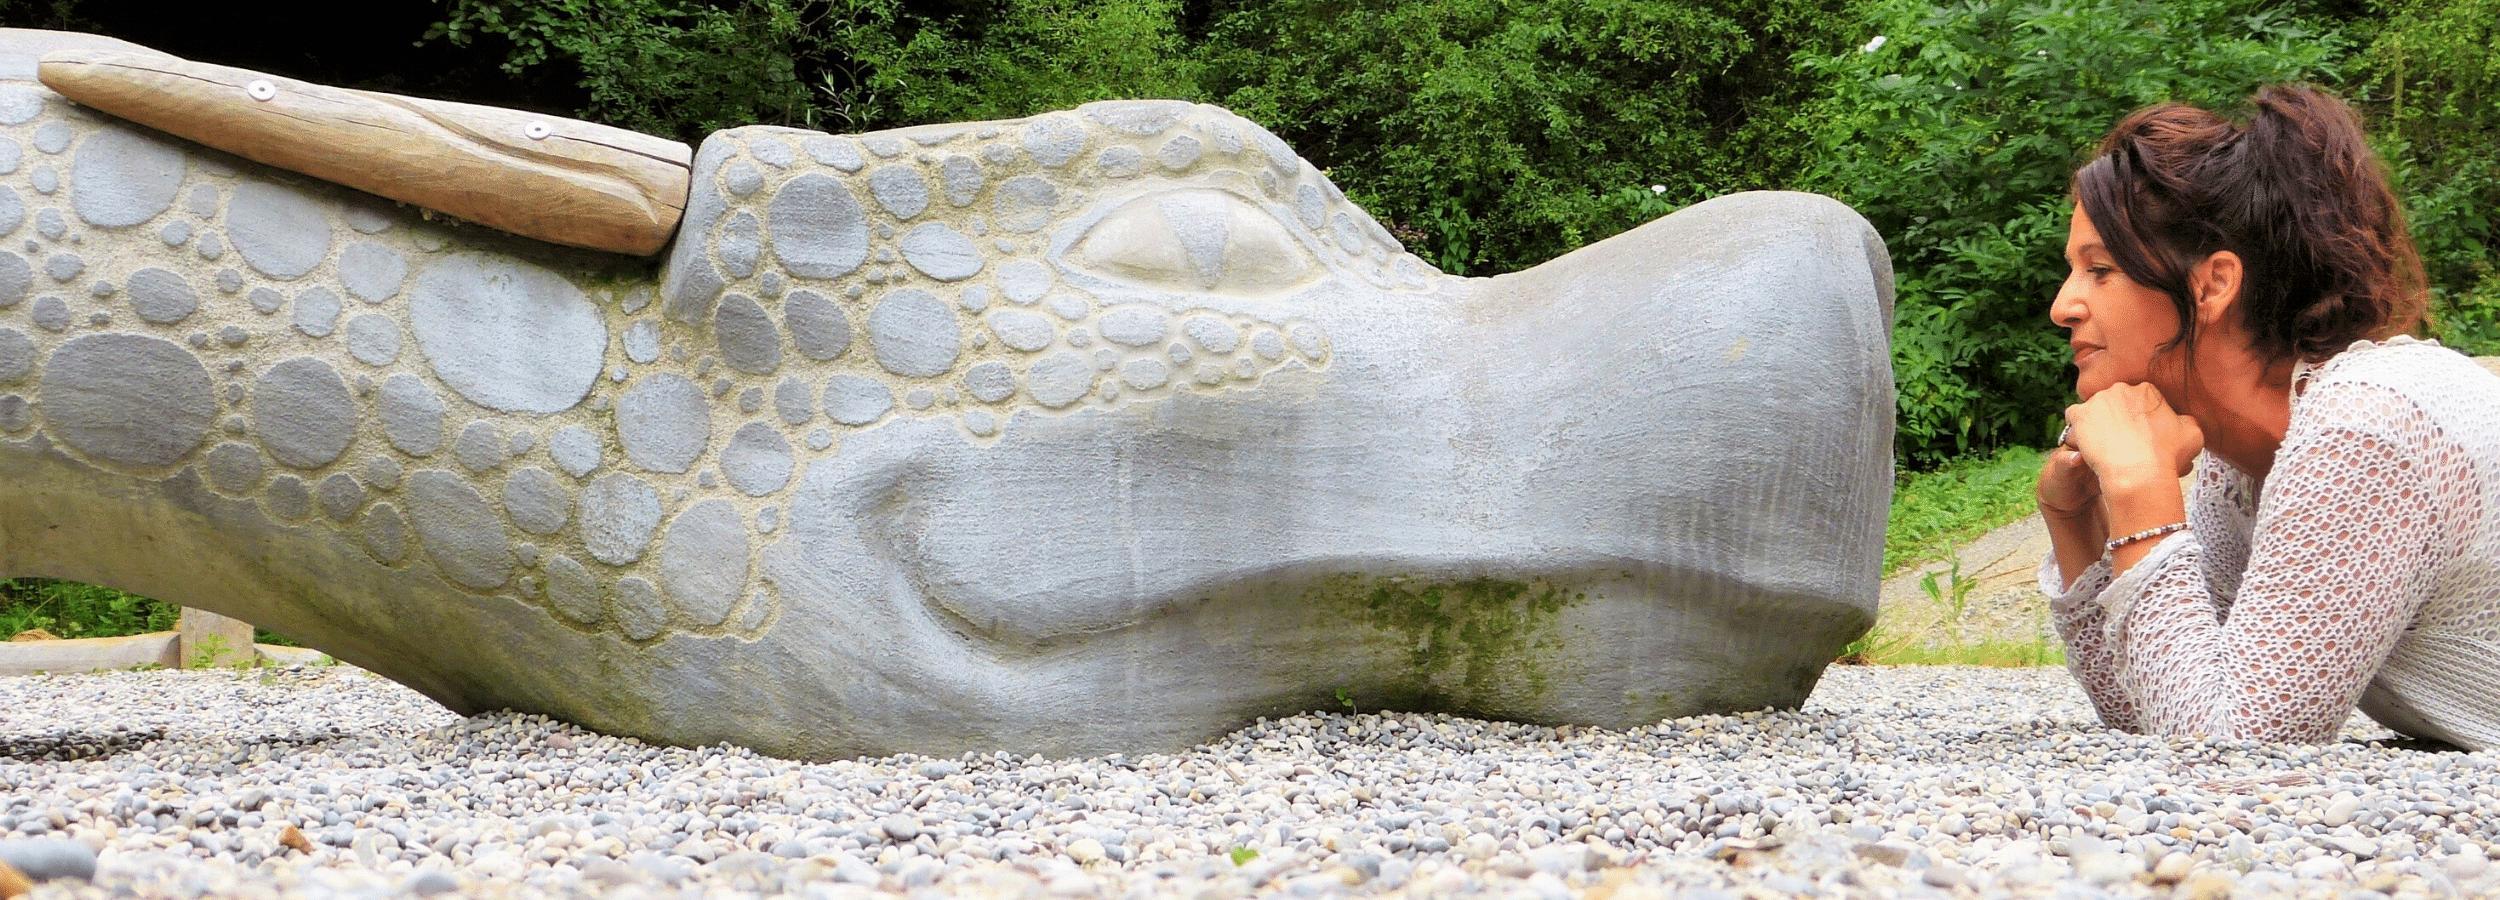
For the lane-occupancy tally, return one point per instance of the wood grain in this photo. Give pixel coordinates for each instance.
(575, 183)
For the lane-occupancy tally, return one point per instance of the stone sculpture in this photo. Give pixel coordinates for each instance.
(1102, 430)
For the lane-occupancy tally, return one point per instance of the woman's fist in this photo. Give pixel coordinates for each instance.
(2067, 488)
(2129, 431)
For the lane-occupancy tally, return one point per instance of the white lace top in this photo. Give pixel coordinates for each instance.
(2364, 570)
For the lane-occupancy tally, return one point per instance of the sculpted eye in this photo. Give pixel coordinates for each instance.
(1195, 240)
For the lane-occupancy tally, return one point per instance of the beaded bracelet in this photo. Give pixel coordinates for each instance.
(2153, 532)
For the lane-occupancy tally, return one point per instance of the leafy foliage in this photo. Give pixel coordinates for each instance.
(1491, 135)
(1033, 56)
(68, 609)
(686, 68)
(1957, 134)
(675, 67)
(2432, 72)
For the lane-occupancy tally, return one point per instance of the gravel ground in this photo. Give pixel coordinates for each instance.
(1911, 781)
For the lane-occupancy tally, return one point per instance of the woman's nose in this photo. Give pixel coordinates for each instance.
(2067, 308)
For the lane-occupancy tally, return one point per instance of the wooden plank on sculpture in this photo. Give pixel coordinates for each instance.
(559, 180)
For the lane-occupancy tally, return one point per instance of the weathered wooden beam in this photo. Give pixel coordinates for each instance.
(559, 180)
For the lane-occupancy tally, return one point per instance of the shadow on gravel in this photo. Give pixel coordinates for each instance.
(80, 746)
(2417, 745)
(75, 746)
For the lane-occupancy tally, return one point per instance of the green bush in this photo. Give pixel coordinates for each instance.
(685, 68)
(68, 609)
(1033, 56)
(1957, 134)
(1492, 135)
(656, 66)
(2432, 78)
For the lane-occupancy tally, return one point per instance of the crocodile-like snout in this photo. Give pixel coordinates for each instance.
(1105, 430)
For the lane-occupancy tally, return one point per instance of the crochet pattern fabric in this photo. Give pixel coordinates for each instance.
(2365, 570)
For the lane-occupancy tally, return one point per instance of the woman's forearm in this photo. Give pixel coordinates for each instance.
(2077, 540)
(2134, 502)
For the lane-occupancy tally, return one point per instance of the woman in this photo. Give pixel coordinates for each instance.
(2238, 300)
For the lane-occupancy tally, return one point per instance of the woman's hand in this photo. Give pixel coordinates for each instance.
(2067, 488)
(2116, 473)
(2128, 434)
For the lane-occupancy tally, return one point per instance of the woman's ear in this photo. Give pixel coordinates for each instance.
(2217, 284)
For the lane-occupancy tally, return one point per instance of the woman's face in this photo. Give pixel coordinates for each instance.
(2115, 326)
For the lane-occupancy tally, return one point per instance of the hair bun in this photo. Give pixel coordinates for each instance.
(2295, 192)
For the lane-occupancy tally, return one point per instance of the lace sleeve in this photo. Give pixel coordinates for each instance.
(2077, 617)
(2219, 512)
(2075, 611)
(2343, 543)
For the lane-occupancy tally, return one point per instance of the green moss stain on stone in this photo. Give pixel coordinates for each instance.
(1460, 639)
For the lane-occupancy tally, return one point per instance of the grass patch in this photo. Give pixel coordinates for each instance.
(1933, 512)
(1882, 648)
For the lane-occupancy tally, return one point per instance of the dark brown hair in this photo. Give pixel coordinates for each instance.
(2294, 191)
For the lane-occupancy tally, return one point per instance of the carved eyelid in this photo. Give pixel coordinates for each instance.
(1195, 240)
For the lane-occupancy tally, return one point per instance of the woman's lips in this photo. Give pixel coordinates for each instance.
(2086, 355)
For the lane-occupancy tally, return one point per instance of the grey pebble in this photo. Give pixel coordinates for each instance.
(48, 859)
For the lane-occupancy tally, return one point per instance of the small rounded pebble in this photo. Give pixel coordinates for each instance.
(1060, 379)
(161, 297)
(1022, 330)
(618, 515)
(124, 176)
(317, 312)
(281, 231)
(941, 252)
(49, 859)
(903, 191)
(914, 334)
(576, 450)
(853, 400)
(373, 339)
(758, 460)
(663, 422)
